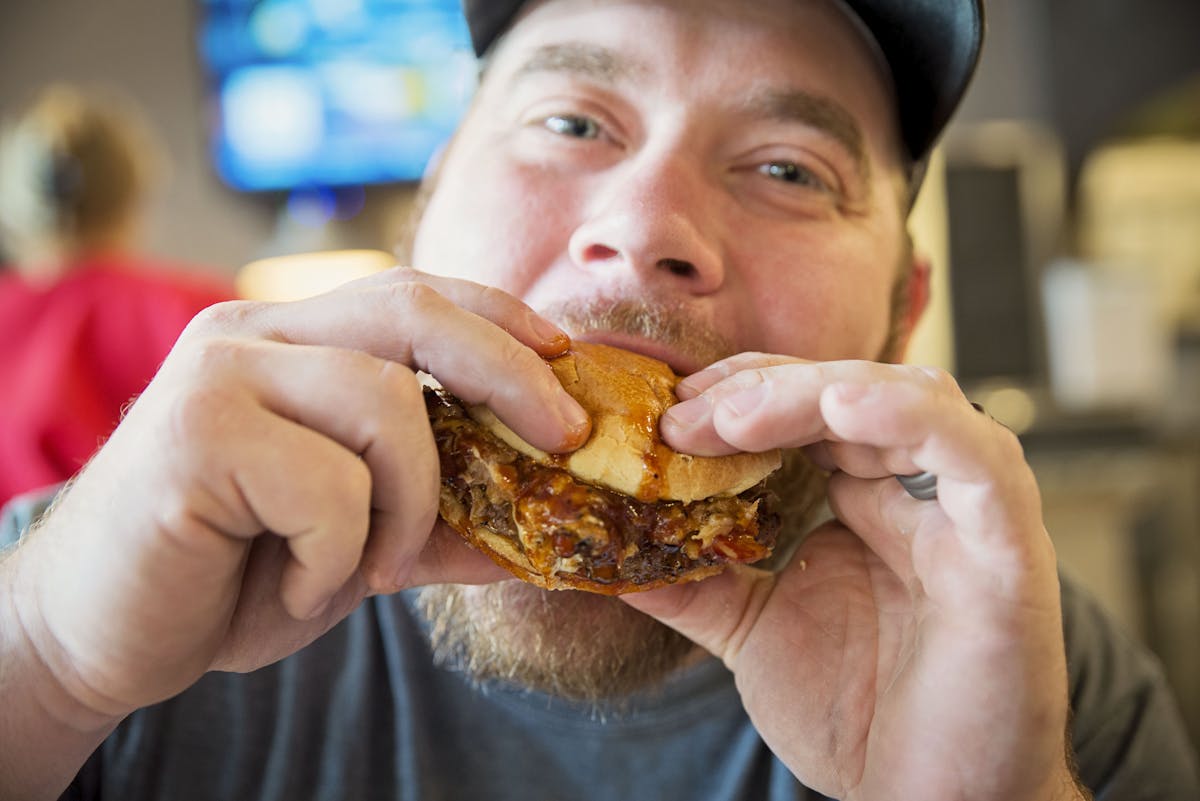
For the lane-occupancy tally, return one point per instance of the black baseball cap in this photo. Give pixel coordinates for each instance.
(931, 46)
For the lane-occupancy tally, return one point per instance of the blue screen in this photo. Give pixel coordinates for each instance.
(311, 93)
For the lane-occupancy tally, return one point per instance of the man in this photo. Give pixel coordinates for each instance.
(719, 183)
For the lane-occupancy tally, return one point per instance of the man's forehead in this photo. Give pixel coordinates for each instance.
(555, 34)
(555, 29)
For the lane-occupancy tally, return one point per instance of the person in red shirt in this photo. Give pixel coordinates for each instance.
(84, 320)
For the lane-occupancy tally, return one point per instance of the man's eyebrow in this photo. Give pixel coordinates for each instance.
(822, 113)
(578, 58)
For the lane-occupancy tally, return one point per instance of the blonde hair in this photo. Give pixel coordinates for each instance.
(74, 169)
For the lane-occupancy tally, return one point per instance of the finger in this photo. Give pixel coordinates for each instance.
(411, 323)
(885, 517)
(698, 382)
(264, 631)
(717, 614)
(447, 558)
(935, 556)
(688, 428)
(777, 406)
(984, 484)
(819, 453)
(503, 309)
(310, 491)
(917, 426)
(375, 410)
(385, 424)
(862, 461)
(757, 409)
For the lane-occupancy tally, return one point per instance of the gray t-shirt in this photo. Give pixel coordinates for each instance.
(363, 713)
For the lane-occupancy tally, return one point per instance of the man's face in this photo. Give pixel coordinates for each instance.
(686, 178)
(732, 165)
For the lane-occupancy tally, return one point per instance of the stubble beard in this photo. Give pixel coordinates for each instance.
(577, 645)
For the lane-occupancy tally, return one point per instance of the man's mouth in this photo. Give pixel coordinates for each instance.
(683, 364)
(660, 330)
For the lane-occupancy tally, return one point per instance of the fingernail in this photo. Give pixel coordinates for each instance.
(696, 383)
(686, 414)
(574, 418)
(745, 401)
(546, 330)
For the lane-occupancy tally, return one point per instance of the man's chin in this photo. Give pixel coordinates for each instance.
(582, 646)
(575, 645)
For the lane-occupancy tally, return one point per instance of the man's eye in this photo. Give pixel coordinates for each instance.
(792, 173)
(573, 125)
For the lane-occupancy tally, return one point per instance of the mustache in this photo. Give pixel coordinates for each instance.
(667, 322)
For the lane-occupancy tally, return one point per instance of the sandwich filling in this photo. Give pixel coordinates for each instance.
(543, 524)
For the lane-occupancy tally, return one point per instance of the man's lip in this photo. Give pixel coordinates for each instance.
(681, 363)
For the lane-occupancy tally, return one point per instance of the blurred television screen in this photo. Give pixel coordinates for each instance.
(328, 93)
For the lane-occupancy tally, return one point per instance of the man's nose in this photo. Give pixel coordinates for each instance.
(654, 217)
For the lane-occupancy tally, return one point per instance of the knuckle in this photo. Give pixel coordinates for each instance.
(205, 396)
(522, 357)
(413, 295)
(508, 368)
(399, 409)
(825, 373)
(225, 317)
(205, 366)
(175, 513)
(200, 416)
(351, 363)
(1009, 443)
(397, 398)
(404, 272)
(354, 484)
(338, 506)
(530, 369)
(213, 355)
(396, 380)
(496, 303)
(942, 380)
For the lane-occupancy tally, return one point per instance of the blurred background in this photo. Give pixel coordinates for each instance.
(1062, 214)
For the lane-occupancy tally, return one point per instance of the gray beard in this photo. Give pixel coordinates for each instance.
(575, 645)
(578, 645)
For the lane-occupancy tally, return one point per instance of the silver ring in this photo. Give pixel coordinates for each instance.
(923, 486)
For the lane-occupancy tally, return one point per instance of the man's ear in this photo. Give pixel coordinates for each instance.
(914, 297)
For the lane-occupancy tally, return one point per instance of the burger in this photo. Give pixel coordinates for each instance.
(622, 513)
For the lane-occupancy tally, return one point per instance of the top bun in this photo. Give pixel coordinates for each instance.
(625, 394)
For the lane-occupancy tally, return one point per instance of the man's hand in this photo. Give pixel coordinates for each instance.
(910, 649)
(279, 469)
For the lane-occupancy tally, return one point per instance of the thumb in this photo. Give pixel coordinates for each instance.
(717, 614)
(447, 558)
